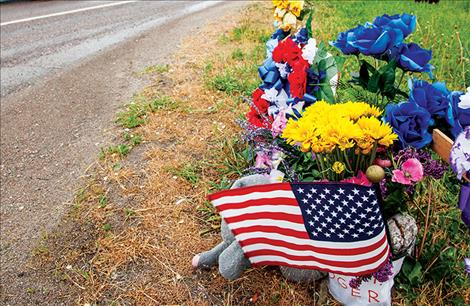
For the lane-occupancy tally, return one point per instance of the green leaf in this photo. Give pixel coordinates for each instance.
(387, 79)
(308, 25)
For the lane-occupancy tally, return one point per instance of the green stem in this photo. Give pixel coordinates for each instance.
(348, 164)
(373, 153)
(401, 79)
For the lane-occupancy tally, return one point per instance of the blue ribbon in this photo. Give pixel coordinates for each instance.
(269, 73)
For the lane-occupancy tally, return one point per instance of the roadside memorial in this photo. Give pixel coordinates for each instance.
(338, 161)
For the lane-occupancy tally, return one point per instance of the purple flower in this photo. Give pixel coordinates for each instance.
(460, 153)
(431, 167)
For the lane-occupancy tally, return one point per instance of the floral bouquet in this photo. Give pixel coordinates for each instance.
(302, 131)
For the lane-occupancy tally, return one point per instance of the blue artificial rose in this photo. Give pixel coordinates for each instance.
(368, 40)
(414, 58)
(343, 42)
(372, 40)
(301, 37)
(434, 98)
(406, 23)
(457, 117)
(410, 122)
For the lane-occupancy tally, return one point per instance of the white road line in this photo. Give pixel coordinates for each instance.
(68, 12)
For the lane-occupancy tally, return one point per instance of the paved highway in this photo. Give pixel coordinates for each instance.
(66, 69)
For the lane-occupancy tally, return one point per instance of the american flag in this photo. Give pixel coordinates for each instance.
(333, 227)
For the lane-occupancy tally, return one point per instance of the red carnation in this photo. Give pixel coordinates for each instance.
(260, 103)
(287, 51)
(298, 79)
(257, 115)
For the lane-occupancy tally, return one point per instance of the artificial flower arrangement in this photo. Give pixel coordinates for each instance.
(300, 131)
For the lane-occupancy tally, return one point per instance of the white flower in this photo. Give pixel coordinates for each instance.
(310, 50)
(465, 100)
(276, 176)
(277, 98)
(460, 153)
(282, 69)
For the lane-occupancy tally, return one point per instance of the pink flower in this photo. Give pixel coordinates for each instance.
(262, 160)
(279, 124)
(360, 179)
(384, 163)
(411, 172)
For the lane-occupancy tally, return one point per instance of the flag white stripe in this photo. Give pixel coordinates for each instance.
(268, 222)
(342, 258)
(253, 196)
(313, 243)
(358, 269)
(288, 209)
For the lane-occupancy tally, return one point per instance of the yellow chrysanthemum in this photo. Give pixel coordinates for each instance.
(379, 131)
(281, 3)
(338, 167)
(295, 7)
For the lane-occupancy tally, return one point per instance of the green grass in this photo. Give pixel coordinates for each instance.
(158, 68)
(441, 27)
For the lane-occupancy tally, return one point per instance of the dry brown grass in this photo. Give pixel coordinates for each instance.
(137, 248)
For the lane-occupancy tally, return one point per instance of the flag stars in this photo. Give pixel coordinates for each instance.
(300, 190)
(359, 204)
(324, 224)
(309, 195)
(332, 230)
(351, 226)
(340, 235)
(309, 212)
(310, 223)
(305, 201)
(322, 196)
(327, 235)
(328, 219)
(331, 201)
(318, 201)
(337, 225)
(326, 191)
(353, 210)
(341, 191)
(355, 191)
(355, 235)
(313, 206)
(315, 234)
(345, 230)
(360, 230)
(365, 198)
(345, 202)
(321, 213)
(368, 209)
(316, 218)
(313, 190)
(350, 197)
(370, 233)
(357, 221)
(362, 215)
(334, 214)
(370, 192)
(347, 215)
(342, 221)
(336, 196)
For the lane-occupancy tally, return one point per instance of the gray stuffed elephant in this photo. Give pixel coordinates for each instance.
(229, 254)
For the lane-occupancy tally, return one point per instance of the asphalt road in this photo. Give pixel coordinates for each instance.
(63, 78)
(33, 49)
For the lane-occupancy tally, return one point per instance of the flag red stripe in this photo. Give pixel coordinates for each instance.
(271, 229)
(322, 250)
(249, 189)
(266, 215)
(258, 202)
(340, 264)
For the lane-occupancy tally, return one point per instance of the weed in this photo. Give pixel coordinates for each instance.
(162, 102)
(190, 173)
(239, 32)
(237, 54)
(129, 212)
(156, 69)
(106, 227)
(103, 201)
